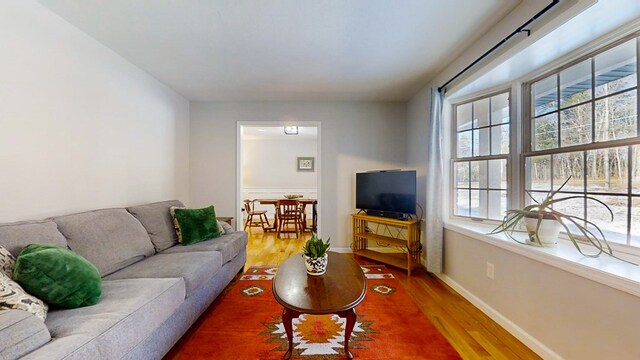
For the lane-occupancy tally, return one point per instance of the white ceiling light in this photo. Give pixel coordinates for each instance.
(291, 130)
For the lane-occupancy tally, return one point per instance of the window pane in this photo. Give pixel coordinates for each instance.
(616, 116)
(575, 84)
(498, 174)
(479, 174)
(464, 144)
(575, 125)
(635, 178)
(481, 113)
(616, 69)
(545, 132)
(573, 207)
(534, 197)
(478, 203)
(616, 230)
(463, 117)
(545, 95)
(500, 109)
(497, 204)
(462, 203)
(568, 165)
(635, 221)
(607, 170)
(462, 174)
(500, 139)
(538, 172)
(482, 141)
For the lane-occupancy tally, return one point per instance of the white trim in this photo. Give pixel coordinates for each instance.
(604, 269)
(534, 344)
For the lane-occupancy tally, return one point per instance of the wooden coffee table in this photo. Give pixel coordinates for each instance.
(338, 292)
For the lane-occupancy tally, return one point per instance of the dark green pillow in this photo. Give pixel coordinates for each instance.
(195, 225)
(58, 276)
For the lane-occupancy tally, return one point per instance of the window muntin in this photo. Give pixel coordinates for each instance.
(482, 148)
(583, 123)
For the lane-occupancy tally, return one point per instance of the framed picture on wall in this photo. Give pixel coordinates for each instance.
(306, 163)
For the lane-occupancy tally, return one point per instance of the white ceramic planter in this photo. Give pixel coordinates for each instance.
(316, 266)
(547, 233)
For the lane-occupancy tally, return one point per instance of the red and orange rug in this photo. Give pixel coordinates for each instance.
(246, 324)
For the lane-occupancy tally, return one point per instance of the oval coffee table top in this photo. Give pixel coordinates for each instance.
(341, 288)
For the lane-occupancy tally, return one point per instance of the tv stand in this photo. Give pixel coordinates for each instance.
(410, 246)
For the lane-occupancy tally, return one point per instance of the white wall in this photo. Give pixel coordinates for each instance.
(355, 136)
(271, 164)
(572, 316)
(80, 127)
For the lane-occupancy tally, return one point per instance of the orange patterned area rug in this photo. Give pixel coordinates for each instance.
(247, 324)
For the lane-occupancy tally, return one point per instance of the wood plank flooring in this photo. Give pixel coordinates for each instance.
(473, 334)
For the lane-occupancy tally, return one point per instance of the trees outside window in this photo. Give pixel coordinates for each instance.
(581, 122)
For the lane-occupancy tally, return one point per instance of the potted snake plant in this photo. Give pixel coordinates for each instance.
(543, 224)
(315, 255)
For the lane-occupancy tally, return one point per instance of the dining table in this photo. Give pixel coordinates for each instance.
(304, 202)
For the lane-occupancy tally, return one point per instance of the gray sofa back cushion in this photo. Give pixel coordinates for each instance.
(111, 239)
(14, 237)
(156, 219)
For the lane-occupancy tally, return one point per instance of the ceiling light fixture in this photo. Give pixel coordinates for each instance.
(291, 130)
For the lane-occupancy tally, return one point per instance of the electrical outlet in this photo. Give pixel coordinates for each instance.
(490, 270)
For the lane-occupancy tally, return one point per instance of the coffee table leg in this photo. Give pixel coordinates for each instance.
(287, 318)
(351, 321)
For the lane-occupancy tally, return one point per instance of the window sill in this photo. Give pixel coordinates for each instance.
(604, 269)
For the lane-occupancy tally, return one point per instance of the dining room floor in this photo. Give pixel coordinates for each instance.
(265, 248)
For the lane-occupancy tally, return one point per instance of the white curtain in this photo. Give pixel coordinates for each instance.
(433, 212)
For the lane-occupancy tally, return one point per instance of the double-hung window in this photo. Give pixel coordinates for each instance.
(480, 158)
(581, 122)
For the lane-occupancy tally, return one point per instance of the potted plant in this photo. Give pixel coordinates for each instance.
(543, 224)
(315, 255)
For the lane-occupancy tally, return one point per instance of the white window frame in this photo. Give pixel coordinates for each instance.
(455, 159)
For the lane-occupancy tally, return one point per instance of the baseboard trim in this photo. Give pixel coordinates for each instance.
(534, 344)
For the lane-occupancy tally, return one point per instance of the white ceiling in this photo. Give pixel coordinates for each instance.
(287, 49)
(277, 133)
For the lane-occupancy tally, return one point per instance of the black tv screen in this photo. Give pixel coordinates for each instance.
(386, 192)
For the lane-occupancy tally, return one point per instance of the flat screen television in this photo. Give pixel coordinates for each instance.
(389, 193)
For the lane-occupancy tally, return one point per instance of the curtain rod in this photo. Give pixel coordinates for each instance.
(520, 29)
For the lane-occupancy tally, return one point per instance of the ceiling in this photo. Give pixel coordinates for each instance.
(309, 133)
(234, 50)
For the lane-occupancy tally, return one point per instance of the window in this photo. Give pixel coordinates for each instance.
(582, 122)
(481, 155)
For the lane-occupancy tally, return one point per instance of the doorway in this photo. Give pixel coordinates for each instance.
(276, 160)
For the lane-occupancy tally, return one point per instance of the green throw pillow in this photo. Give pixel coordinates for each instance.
(195, 225)
(58, 276)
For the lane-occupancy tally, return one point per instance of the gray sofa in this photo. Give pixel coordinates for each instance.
(153, 289)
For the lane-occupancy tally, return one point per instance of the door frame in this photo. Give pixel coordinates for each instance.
(279, 123)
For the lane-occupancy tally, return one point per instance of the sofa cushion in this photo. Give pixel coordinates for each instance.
(110, 239)
(130, 310)
(228, 245)
(156, 219)
(20, 333)
(195, 225)
(194, 268)
(13, 296)
(14, 237)
(58, 276)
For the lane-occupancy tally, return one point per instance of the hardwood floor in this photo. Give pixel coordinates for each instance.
(473, 334)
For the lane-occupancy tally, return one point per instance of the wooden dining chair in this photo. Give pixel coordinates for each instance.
(289, 214)
(249, 208)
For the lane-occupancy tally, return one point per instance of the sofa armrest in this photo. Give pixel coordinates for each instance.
(20, 333)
